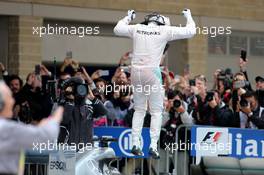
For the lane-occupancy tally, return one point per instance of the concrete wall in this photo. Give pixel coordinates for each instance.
(4, 39)
(240, 9)
(24, 48)
(90, 49)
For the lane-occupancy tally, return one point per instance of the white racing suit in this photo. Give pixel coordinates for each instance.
(149, 42)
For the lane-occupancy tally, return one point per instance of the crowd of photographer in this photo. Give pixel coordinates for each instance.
(105, 100)
(231, 102)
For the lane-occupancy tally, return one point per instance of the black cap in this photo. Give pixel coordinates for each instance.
(259, 78)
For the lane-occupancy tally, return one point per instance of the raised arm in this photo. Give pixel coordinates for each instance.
(23, 136)
(188, 31)
(123, 28)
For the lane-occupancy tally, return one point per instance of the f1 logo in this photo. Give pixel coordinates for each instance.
(212, 137)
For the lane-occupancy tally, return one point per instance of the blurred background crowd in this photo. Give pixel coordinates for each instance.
(231, 102)
(108, 98)
(229, 93)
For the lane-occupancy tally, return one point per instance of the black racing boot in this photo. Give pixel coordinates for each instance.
(154, 153)
(136, 151)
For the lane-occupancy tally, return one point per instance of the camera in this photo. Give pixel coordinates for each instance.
(192, 82)
(75, 87)
(37, 69)
(177, 103)
(209, 97)
(81, 90)
(243, 55)
(243, 103)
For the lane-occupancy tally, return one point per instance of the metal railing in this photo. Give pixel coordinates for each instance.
(185, 161)
(38, 163)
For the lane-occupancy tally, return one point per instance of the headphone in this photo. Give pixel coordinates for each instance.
(1, 102)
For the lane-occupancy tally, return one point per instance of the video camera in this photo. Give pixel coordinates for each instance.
(74, 90)
(209, 97)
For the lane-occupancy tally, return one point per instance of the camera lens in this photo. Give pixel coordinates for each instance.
(210, 96)
(243, 103)
(82, 90)
(192, 82)
(177, 103)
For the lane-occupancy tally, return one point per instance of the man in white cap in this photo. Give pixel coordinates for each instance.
(149, 41)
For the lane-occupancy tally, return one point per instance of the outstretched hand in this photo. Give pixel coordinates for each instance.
(186, 13)
(2, 67)
(56, 116)
(242, 64)
(131, 14)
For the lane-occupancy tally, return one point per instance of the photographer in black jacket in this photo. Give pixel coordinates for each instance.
(260, 90)
(201, 111)
(178, 114)
(252, 114)
(80, 107)
(221, 114)
(33, 103)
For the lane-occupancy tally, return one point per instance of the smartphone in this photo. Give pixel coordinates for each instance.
(69, 54)
(104, 73)
(130, 55)
(125, 69)
(37, 69)
(187, 69)
(243, 55)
